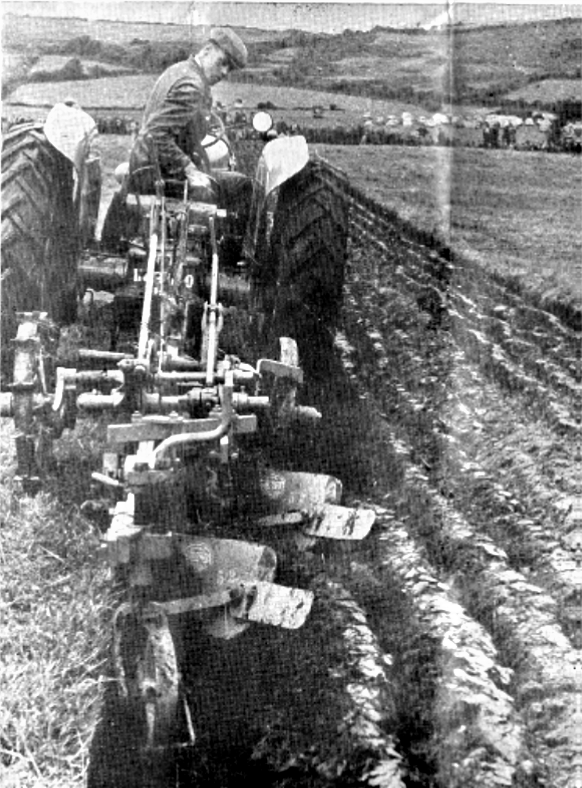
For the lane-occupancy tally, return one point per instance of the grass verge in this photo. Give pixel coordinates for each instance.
(54, 606)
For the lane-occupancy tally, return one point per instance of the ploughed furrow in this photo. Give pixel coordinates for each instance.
(558, 407)
(477, 449)
(471, 399)
(518, 481)
(487, 459)
(483, 455)
(474, 732)
(513, 362)
(329, 713)
(515, 357)
(557, 364)
(520, 617)
(312, 707)
(550, 330)
(372, 707)
(541, 343)
(512, 354)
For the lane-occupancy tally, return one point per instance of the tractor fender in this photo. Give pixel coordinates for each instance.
(280, 160)
(70, 131)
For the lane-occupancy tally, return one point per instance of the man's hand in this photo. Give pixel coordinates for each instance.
(199, 182)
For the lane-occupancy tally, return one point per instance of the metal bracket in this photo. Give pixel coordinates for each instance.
(158, 428)
(312, 500)
(280, 370)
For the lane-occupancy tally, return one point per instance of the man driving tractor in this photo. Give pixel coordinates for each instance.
(175, 117)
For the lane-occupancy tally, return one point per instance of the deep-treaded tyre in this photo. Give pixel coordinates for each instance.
(40, 236)
(309, 250)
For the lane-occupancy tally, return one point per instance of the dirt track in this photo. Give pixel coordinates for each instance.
(444, 650)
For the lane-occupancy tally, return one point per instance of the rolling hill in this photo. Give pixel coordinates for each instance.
(479, 66)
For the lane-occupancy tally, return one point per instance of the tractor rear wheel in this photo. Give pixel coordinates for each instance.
(309, 250)
(40, 238)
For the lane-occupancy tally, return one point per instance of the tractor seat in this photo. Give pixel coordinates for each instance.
(143, 182)
(135, 197)
(234, 188)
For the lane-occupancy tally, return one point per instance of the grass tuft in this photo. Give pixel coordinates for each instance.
(54, 611)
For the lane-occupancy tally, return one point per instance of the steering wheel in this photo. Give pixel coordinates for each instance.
(216, 131)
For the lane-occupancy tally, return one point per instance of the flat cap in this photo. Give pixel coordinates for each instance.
(230, 43)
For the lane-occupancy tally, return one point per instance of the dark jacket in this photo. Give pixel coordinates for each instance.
(174, 124)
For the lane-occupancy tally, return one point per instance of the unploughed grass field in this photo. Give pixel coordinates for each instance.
(50, 63)
(514, 212)
(127, 95)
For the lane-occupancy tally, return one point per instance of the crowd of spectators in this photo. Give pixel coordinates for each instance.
(116, 125)
(535, 131)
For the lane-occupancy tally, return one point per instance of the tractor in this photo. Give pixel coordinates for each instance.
(186, 495)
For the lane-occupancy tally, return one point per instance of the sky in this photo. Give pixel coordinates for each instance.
(321, 16)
